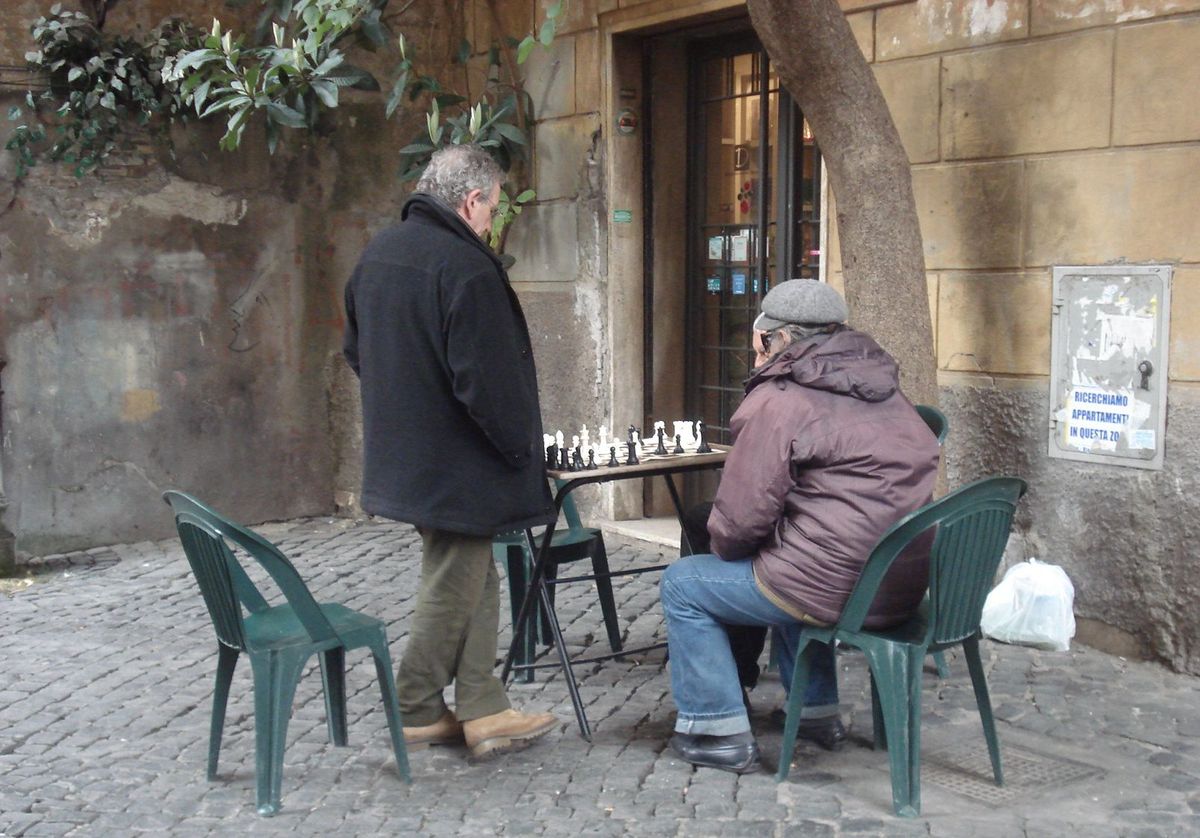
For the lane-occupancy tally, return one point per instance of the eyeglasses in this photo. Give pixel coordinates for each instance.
(765, 340)
(495, 207)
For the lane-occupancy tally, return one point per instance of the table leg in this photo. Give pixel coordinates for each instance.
(685, 545)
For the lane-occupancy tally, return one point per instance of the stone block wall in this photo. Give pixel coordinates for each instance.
(1042, 134)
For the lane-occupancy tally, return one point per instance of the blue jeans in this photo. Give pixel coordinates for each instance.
(700, 595)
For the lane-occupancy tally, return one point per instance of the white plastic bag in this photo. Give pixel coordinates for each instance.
(1032, 606)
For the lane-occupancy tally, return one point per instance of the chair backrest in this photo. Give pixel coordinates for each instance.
(570, 513)
(935, 419)
(224, 583)
(973, 524)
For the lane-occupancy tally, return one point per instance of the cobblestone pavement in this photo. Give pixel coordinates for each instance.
(106, 685)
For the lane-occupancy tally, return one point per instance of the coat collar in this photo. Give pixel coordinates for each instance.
(425, 208)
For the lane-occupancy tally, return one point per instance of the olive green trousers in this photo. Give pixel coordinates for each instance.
(452, 637)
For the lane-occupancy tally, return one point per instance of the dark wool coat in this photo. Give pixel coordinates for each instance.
(827, 455)
(452, 432)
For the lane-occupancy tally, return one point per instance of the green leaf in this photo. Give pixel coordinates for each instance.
(14, 112)
(554, 11)
(397, 94)
(74, 73)
(449, 100)
(510, 132)
(525, 48)
(527, 195)
(546, 35)
(417, 148)
(281, 113)
(347, 75)
(464, 52)
(326, 91)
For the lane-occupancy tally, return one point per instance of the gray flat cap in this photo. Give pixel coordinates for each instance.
(805, 302)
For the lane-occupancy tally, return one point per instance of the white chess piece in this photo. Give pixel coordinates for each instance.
(583, 438)
(604, 437)
(558, 439)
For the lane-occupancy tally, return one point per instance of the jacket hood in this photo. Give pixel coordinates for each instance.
(430, 209)
(845, 362)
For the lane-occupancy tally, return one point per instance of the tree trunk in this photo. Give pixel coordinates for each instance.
(820, 64)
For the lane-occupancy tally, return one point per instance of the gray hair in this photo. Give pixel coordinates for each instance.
(454, 171)
(795, 332)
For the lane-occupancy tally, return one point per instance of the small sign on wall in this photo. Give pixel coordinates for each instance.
(1109, 364)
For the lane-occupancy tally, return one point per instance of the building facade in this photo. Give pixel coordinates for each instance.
(179, 326)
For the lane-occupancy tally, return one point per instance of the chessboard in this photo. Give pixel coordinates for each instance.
(583, 453)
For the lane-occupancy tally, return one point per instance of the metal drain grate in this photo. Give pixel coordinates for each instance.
(967, 770)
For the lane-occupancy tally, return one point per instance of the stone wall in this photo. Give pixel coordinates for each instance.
(175, 321)
(1042, 134)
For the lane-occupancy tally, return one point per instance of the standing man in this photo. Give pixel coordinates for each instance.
(827, 455)
(451, 439)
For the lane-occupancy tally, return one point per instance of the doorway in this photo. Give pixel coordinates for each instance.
(742, 213)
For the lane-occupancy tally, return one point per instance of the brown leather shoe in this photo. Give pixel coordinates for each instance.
(505, 731)
(447, 730)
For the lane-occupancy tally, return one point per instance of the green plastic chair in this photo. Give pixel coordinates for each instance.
(278, 639)
(567, 545)
(935, 419)
(973, 525)
(940, 426)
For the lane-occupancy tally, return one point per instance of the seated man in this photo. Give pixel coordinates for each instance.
(827, 455)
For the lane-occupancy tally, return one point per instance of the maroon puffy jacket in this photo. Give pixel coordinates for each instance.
(827, 455)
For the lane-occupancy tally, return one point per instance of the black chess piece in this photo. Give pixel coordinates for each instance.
(678, 446)
(591, 464)
(703, 447)
(612, 457)
(564, 459)
(577, 459)
(661, 450)
(632, 459)
(552, 456)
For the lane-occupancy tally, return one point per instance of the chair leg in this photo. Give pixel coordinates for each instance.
(939, 660)
(984, 702)
(604, 589)
(227, 659)
(546, 632)
(518, 583)
(275, 678)
(879, 731)
(333, 676)
(791, 725)
(892, 670)
(391, 705)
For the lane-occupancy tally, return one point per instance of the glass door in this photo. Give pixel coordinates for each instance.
(754, 192)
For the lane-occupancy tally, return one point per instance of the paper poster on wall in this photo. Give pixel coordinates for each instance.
(739, 283)
(1097, 419)
(714, 285)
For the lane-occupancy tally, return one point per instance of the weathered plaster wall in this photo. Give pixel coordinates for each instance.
(176, 321)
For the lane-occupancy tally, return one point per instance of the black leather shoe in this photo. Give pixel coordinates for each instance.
(737, 753)
(827, 732)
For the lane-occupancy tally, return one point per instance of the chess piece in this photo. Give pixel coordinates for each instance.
(552, 456)
(564, 459)
(558, 439)
(603, 436)
(584, 436)
(703, 447)
(576, 460)
(632, 458)
(678, 445)
(661, 450)
(591, 463)
(612, 457)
